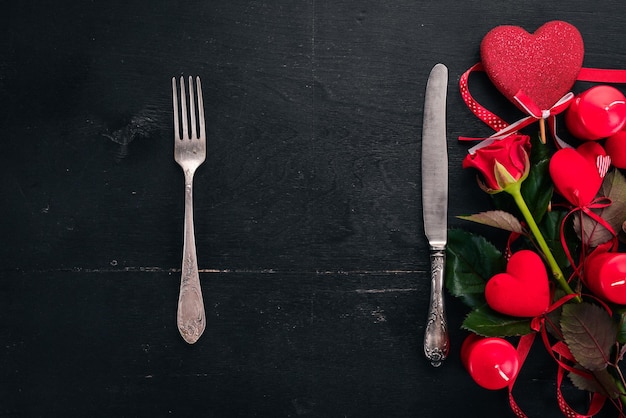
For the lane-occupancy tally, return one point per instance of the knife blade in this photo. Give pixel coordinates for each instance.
(435, 209)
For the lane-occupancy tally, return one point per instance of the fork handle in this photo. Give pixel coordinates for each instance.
(190, 318)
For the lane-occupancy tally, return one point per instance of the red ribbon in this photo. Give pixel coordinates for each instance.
(523, 348)
(561, 353)
(602, 75)
(534, 112)
(597, 399)
(599, 203)
(490, 118)
(565, 362)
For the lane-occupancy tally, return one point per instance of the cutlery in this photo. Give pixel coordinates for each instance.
(435, 209)
(189, 153)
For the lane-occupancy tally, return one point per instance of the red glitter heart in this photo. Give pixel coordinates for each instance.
(543, 65)
(522, 291)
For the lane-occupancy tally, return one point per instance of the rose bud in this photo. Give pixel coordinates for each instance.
(502, 163)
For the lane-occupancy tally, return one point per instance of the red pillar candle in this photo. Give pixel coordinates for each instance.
(605, 275)
(596, 113)
(492, 362)
(615, 147)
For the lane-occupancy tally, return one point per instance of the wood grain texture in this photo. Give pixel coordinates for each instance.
(332, 345)
(313, 263)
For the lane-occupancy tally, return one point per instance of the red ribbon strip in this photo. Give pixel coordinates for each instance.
(535, 113)
(490, 118)
(599, 203)
(597, 400)
(602, 75)
(564, 359)
(523, 348)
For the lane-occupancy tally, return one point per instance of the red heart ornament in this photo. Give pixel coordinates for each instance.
(596, 155)
(543, 65)
(523, 290)
(591, 151)
(575, 174)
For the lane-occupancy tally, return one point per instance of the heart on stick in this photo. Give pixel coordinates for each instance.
(543, 65)
(524, 290)
(575, 172)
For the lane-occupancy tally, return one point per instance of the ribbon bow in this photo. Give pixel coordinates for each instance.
(502, 128)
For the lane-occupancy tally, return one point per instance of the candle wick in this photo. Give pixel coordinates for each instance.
(616, 102)
(501, 373)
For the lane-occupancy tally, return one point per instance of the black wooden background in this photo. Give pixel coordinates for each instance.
(313, 262)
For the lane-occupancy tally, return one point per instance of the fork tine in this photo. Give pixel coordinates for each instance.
(183, 102)
(175, 102)
(193, 130)
(200, 108)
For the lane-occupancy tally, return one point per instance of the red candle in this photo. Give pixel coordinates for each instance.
(615, 147)
(606, 276)
(492, 362)
(596, 113)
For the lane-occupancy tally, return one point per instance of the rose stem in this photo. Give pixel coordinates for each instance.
(556, 270)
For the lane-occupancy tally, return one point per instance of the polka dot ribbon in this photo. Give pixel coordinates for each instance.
(565, 362)
(534, 113)
(490, 118)
(502, 128)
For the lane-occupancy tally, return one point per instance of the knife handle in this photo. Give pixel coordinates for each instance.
(436, 338)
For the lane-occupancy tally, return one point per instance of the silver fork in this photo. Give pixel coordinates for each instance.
(189, 153)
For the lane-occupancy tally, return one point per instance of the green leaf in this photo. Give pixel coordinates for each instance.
(590, 333)
(471, 261)
(601, 382)
(497, 219)
(621, 334)
(489, 323)
(550, 228)
(613, 187)
(505, 203)
(538, 151)
(537, 189)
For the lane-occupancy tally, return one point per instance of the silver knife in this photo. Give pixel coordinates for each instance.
(435, 208)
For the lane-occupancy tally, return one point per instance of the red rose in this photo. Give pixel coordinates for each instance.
(502, 163)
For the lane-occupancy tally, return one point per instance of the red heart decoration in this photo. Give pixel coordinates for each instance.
(523, 290)
(575, 174)
(596, 155)
(543, 65)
